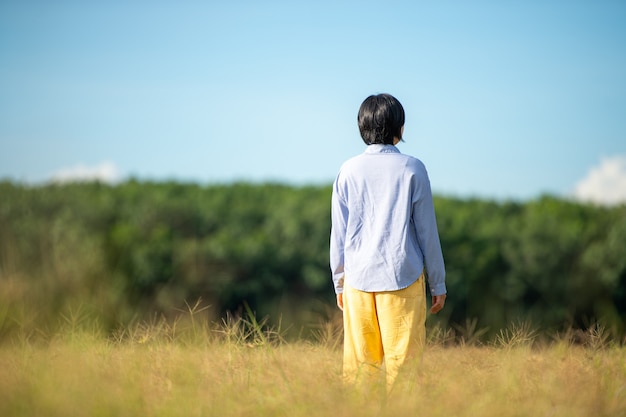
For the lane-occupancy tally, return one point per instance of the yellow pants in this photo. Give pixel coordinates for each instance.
(382, 328)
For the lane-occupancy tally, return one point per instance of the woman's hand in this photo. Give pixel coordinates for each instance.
(438, 302)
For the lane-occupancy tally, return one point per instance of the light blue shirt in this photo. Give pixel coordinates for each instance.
(384, 231)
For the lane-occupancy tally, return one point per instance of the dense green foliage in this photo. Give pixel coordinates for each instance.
(127, 251)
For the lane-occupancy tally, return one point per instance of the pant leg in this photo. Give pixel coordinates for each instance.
(363, 351)
(402, 322)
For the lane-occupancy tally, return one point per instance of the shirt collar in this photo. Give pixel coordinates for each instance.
(381, 148)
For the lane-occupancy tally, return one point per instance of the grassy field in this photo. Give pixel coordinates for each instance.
(237, 369)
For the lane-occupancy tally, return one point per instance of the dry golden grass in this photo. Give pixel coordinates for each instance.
(238, 370)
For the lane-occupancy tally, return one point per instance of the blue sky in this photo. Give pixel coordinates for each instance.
(503, 99)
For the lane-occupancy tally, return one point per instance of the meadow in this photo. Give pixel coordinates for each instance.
(240, 367)
(94, 322)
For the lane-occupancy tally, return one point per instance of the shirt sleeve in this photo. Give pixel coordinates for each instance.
(339, 221)
(425, 223)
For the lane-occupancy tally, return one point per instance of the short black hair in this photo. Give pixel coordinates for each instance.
(381, 118)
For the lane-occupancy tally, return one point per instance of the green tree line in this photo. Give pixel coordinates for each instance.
(135, 249)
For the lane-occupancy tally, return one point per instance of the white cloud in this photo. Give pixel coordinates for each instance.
(604, 184)
(104, 172)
